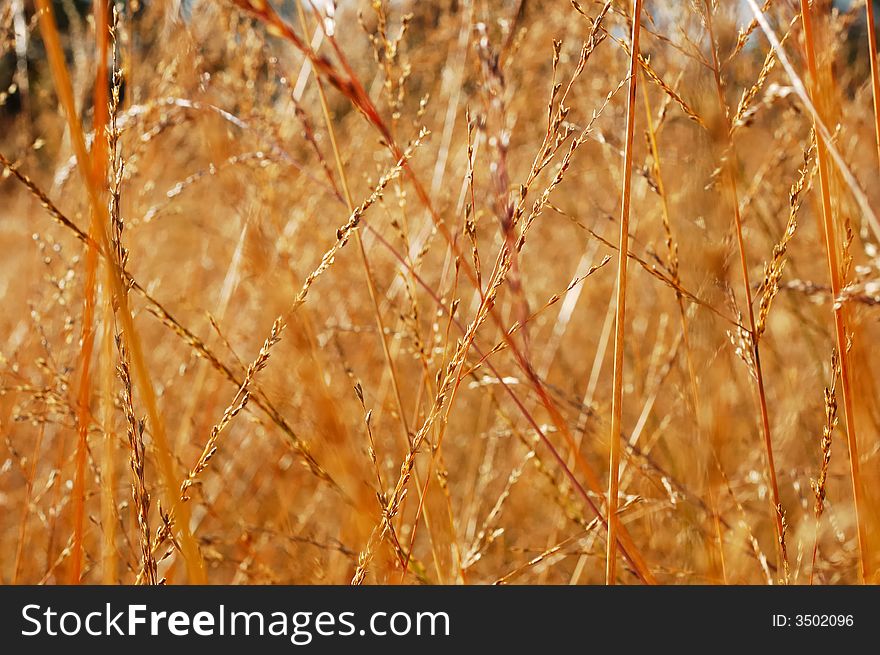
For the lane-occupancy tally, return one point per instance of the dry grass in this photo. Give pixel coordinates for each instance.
(423, 201)
(620, 315)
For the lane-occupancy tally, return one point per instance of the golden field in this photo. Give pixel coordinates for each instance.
(303, 293)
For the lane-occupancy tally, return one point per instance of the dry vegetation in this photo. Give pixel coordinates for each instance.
(296, 294)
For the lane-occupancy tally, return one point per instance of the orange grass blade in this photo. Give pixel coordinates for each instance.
(99, 166)
(875, 70)
(58, 66)
(620, 319)
(840, 329)
(88, 316)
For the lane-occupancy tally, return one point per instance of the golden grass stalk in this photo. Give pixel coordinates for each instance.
(840, 327)
(103, 106)
(98, 159)
(143, 383)
(620, 318)
(83, 419)
(108, 473)
(875, 70)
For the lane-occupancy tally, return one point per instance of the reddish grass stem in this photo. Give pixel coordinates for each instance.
(840, 327)
(58, 66)
(98, 159)
(875, 70)
(620, 319)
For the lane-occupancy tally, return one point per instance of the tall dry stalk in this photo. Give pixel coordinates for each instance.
(107, 166)
(620, 317)
(98, 161)
(142, 379)
(875, 70)
(820, 100)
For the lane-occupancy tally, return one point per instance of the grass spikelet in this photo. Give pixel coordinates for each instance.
(137, 459)
(820, 484)
(239, 402)
(773, 270)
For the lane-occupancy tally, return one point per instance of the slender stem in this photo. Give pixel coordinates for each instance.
(620, 319)
(98, 157)
(840, 328)
(55, 55)
(99, 166)
(875, 70)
